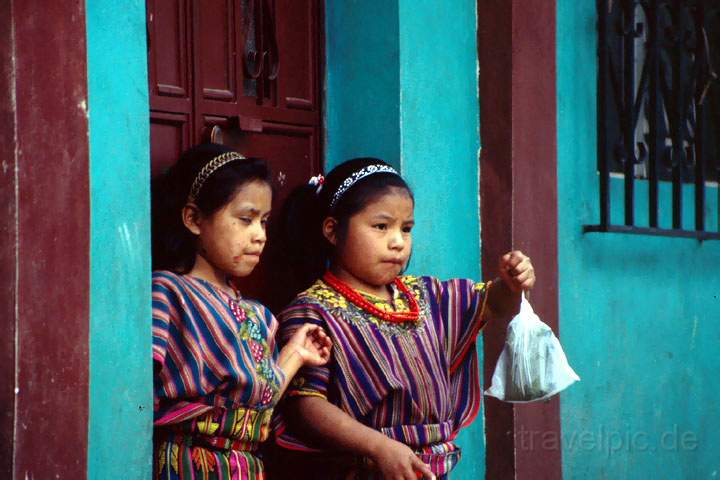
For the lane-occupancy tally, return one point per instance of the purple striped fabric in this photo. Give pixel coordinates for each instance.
(215, 373)
(396, 378)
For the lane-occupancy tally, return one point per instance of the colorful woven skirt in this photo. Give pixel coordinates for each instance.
(212, 447)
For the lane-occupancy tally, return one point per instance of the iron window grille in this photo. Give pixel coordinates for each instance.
(659, 108)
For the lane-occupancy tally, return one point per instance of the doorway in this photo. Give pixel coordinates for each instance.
(245, 73)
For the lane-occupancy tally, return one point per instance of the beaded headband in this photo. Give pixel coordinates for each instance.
(208, 170)
(357, 176)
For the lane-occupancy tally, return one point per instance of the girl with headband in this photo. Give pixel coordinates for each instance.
(217, 370)
(403, 377)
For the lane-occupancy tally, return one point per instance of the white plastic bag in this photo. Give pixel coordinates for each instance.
(532, 366)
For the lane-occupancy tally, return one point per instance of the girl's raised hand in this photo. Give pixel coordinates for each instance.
(312, 344)
(397, 461)
(517, 271)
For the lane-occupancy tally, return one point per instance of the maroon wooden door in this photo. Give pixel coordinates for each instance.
(245, 73)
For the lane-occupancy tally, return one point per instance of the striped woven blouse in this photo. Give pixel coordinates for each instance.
(417, 382)
(216, 379)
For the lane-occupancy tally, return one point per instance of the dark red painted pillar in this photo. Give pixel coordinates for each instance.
(7, 242)
(518, 187)
(44, 247)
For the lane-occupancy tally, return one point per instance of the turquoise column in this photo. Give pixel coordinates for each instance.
(638, 314)
(402, 85)
(120, 424)
(362, 81)
(439, 143)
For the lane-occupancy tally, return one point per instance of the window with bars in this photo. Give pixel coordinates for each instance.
(659, 109)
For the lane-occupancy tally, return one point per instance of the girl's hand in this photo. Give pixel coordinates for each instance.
(396, 460)
(517, 271)
(312, 344)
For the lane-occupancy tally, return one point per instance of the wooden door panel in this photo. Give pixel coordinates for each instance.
(289, 149)
(297, 40)
(289, 98)
(169, 137)
(231, 111)
(216, 40)
(169, 64)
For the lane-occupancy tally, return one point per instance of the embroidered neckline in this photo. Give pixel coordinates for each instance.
(363, 303)
(340, 308)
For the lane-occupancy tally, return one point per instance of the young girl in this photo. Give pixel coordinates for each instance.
(218, 373)
(403, 378)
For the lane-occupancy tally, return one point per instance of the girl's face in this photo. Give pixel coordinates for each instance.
(231, 240)
(378, 243)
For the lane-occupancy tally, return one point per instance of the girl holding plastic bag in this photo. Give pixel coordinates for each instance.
(403, 377)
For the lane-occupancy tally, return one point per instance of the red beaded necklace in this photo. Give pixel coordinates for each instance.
(355, 297)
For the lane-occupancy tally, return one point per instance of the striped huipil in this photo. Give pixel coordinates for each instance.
(216, 380)
(416, 382)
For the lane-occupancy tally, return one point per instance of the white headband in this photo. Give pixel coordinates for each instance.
(357, 176)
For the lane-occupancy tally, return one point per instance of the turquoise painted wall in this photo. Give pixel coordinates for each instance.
(638, 315)
(440, 139)
(120, 424)
(362, 80)
(421, 113)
